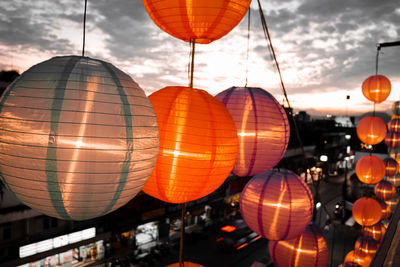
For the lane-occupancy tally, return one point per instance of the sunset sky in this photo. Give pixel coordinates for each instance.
(326, 48)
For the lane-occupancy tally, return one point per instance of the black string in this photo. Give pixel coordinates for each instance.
(378, 49)
(84, 30)
(191, 62)
(248, 45)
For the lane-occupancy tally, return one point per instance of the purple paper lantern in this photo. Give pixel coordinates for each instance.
(391, 167)
(276, 204)
(392, 139)
(394, 125)
(262, 126)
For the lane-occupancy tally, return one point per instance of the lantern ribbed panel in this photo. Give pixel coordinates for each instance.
(263, 128)
(356, 256)
(386, 211)
(201, 20)
(370, 169)
(395, 180)
(306, 250)
(376, 88)
(392, 139)
(391, 166)
(392, 203)
(78, 138)
(366, 245)
(198, 145)
(371, 130)
(396, 108)
(349, 264)
(385, 190)
(394, 125)
(276, 204)
(376, 231)
(367, 211)
(186, 264)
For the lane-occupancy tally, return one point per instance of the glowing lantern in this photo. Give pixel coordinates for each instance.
(394, 125)
(367, 211)
(349, 264)
(371, 130)
(396, 108)
(185, 264)
(392, 203)
(276, 204)
(370, 169)
(391, 167)
(395, 180)
(198, 145)
(385, 190)
(376, 88)
(306, 250)
(376, 231)
(263, 128)
(392, 139)
(356, 256)
(199, 20)
(386, 211)
(366, 245)
(78, 138)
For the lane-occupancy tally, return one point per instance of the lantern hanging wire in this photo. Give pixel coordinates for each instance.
(248, 45)
(84, 30)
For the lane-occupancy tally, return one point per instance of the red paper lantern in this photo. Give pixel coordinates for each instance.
(263, 128)
(392, 139)
(371, 130)
(391, 166)
(367, 211)
(386, 211)
(395, 180)
(376, 231)
(199, 20)
(385, 190)
(370, 169)
(394, 125)
(356, 256)
(306, 250)
(276, 204)
(366, 245)
(198, 145)
(376, 88)
(185, 264)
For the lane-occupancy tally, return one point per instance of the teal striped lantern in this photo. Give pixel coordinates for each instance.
(78, 138)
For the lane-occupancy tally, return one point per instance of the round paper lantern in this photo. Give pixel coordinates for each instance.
(78, 138)
(395, 180)
(367, 211)
(366, 245)
(376, 88)
(392, 139)
(386, 211)
(198, 145)
(385, 190)
(392, 203)
(306, 250)
(391, 166)
(349, 264)
(370, 169)
(263, 128)
(198, 20)
(185, 264)
(276, 204)
(376, 231)
(371, 130)
(356, 256)
(394, 125)
(396, 108)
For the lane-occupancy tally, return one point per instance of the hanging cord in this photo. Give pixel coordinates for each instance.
(378, 49)
(191, 62)
(84, 30)
(248, 45)
(181, 262)
(273, 55)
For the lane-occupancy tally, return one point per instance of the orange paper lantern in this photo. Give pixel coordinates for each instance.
(391, 166)
(376, 88)
(276, 204)
(198, 145)
(367, 211)
(370, 169)
(392, 203)
(394, 125)
(385, 190)
(371, 130)
(366, 245)
(306, 250)
(201, 20)
(263, 128)
(186, 264)
(386, 211)
(376, 231)
(392, 139)
(356, 256)
(349, 264)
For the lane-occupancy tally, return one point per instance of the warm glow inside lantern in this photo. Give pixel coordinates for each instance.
(263, 128)
(386, 211)
(306, 250)
(198, 145)
(370, 169)
(376, 88)
(392, 203)
(395, 180)
(78, 139)
(392, 139)
(394, 125)
(200, 20)
(367, 211)
(376, 231)
(371, 130)
(385, 190)
(366, 245)
(359, 257)
(391, 166)
(276, 204)
(185, 264)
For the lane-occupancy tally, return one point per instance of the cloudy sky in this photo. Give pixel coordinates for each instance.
(326, 48)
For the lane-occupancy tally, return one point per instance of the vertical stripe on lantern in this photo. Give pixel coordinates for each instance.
(51, 155)
(260, 205)
(129, 137)
(290, 206)
(185, 17)
(218, 18)
(254, 153)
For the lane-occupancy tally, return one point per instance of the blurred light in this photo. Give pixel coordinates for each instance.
(347, 136)
(323, 158)
(228, 228)
(318, 205)
(219, 239)
(348, 149)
